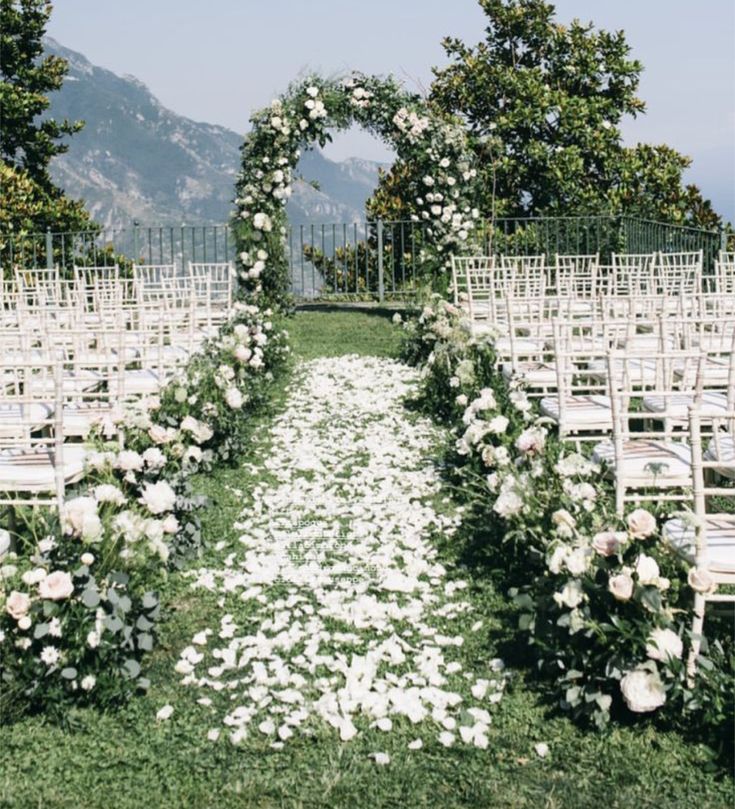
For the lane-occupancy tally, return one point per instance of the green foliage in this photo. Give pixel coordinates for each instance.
(30, 202)
(543, 103)
(591, 590)
(131, 519)
(26, 79)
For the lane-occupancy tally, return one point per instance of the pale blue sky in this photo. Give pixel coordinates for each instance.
(217, 60)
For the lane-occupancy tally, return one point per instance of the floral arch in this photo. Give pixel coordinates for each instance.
(445, 182)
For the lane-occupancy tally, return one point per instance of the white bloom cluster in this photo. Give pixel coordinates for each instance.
(411, 124)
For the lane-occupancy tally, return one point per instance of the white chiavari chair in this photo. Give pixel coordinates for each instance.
(708, 540)
(645, 463)
(36, 464)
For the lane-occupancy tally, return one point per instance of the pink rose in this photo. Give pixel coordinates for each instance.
(17, 604)
(621, 586)
(641, 523)
(56, 586)
(701, 581)
(608, 543)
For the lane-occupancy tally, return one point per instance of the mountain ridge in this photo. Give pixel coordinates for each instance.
(137, 160)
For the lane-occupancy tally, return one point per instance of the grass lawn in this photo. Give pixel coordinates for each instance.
(125, 760)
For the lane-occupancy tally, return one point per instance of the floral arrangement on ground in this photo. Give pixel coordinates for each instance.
(78, 600)
(605, 604)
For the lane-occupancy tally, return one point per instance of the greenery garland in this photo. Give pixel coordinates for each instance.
(444, 186)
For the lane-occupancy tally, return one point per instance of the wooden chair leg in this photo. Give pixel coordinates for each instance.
(697, 628)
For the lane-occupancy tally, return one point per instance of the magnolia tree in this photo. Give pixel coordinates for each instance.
(443, 184)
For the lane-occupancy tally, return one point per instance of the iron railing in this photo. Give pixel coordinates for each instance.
(359, 259)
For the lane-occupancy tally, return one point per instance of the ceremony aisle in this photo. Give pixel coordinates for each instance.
(331, 649)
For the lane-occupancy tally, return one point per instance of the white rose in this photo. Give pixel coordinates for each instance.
(56, 586)
(663, 644)
(242, 353)
(608, 543)
(647, 570)
(33, 577)
(641, 523)
(531, 440)
(701, 581)
(498, 425)
(158, 497)
(86, 559)
(642, 690)
(129, 461)
(508, 504)
(79, 518)
(88, 682)
(578, 561)
(161, 435)
(234, 399)
(555, 562)
(571, 595)
(193, 454)
(17, 604)
(107, 493)
(621, 586)
(154, 458)
(564, 522)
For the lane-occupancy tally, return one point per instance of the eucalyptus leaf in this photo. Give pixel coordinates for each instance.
(131, 668)
(90, 598)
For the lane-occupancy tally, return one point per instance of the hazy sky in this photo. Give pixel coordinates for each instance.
(216, 60)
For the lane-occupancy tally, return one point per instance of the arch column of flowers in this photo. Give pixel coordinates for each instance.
(445, 186)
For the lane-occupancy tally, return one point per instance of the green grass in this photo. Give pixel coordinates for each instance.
(124, 760)
(331, 333)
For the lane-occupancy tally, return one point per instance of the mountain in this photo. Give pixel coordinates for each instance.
(135, 159)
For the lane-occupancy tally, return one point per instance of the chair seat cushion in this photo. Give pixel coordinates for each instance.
(33, 470)
(80, 417)
(677, 405)
(140, 382)
(522, 345)
(720, 553)
(581, 412)
(16, 418)
(648, 462)
(723, 450)
(536, 374)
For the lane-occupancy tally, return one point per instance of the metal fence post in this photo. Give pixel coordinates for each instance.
(136, 255)
(381, 279)
(49, 249)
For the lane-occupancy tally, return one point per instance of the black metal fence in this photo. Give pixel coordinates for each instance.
(362, 259)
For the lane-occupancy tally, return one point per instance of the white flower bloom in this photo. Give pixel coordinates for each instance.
(79, 518)
(154, 458)
(663, 644)
(88, 682)
(50, 655)
(647, 570)
(234, 398)
(158, 497)
(643, 690)
(641, 523)
(571, 595)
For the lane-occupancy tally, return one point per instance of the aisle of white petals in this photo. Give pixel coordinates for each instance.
(335, 608)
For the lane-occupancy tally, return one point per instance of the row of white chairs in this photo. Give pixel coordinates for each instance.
(479, 280)
(642, 384)
(67, 366)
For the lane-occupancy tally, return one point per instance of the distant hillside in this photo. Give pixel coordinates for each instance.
(135, 159)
